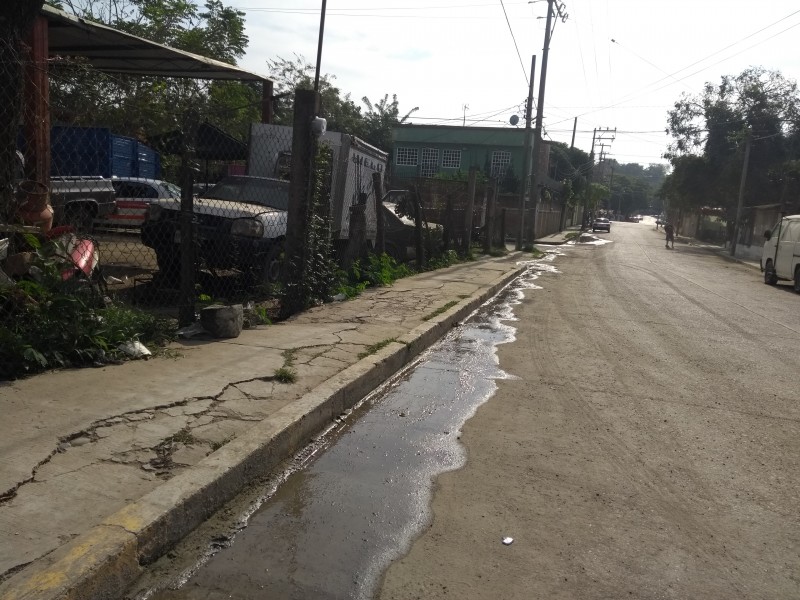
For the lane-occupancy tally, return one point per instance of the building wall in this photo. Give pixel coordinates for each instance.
(427, 150)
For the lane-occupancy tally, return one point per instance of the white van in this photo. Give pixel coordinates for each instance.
(780, 258)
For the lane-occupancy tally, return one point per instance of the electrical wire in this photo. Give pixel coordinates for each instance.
(511, 31)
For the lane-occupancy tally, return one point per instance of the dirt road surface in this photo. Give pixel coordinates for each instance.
(649, 446)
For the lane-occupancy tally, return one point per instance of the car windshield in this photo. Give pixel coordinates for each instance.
(172, 190)
(254, 190)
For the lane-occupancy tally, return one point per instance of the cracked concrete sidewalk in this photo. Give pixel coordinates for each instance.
(79, 445)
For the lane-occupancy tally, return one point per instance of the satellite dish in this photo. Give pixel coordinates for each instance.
(514, 119)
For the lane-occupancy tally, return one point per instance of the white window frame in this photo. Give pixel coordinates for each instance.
(451, 159)
(429, 165)
(501, 161)
(406, 157)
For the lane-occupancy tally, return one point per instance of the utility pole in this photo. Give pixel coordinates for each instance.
(598, 135)
(319, 44)
(743, 180)
(537, 134)
(527, 162)
(574, 129)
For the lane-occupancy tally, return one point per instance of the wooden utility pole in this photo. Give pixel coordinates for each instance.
(553, 6)
(380, 236)
(472, 184)
(527, 162)
(742, 182)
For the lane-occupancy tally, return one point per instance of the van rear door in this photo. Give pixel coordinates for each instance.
(790, 237)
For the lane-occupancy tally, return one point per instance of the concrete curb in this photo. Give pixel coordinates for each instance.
(102, 563)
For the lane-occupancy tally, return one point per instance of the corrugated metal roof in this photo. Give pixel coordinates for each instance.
(113, 51)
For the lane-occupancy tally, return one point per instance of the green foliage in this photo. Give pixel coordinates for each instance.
(148, 107)
(440, 310)
(49, 323)
(285, 375)
(373, 125)
(377, 270)
(444, 260)
(313, 282)
(709, 131)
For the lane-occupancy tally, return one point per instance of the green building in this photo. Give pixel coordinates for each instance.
(431, 150)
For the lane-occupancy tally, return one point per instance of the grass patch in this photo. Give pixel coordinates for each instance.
(288, 357)
(440, 310)
(217, 445)
(375, 347)
(571, 235)
(185, 437)
(285, 375)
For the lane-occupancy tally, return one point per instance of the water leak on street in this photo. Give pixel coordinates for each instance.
(360, 494)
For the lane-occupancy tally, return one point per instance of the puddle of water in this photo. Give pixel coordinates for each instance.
(332, 528)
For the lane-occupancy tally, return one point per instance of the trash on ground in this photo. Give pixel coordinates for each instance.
(507, 541)
(134, 349)
(192, 330)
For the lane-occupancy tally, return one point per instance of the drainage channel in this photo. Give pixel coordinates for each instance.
(355, 499)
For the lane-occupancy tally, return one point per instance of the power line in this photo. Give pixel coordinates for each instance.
(511, 31)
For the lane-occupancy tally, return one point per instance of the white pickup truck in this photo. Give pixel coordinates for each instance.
(240, 223)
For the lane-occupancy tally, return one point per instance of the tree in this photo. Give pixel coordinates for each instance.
(380, 118)
(597, 193)
(144, 107)
(340, 111)
(570, 166)
(713, 125)
(374, 126)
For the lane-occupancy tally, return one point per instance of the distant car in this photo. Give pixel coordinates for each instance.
(601, 223)
(134, 195)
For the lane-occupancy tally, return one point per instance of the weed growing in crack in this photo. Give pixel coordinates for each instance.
(285, 375)
(375, 347)
(185, 437)
(440, 310)
(217, 445)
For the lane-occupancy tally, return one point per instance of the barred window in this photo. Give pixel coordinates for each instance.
(501, 159)
(451, 159)
(407, 157)
(430, 162)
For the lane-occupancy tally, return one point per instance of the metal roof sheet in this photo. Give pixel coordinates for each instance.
(114, 51)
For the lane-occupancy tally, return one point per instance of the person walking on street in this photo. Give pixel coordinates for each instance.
(670, 231)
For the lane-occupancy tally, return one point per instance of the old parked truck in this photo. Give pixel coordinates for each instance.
(240, 223)
(354, 162)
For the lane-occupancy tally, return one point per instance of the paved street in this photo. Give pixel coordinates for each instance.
(648, 447)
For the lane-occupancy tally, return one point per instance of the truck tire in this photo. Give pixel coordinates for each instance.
(797, 279)
(770, 277)
(268, 269)
(80, 217)
(169, 265)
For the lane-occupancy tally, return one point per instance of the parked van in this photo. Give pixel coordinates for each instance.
(780, 258)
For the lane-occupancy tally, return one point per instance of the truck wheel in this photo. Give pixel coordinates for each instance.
(268, 269)
(169, 265)
(770, 277)
(79, 217)
(797, 279)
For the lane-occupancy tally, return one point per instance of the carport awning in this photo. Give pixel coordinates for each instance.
(113, 51)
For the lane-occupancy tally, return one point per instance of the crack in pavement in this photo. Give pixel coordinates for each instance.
(64, 443)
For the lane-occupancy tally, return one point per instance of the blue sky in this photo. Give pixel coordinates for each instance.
(443, 55)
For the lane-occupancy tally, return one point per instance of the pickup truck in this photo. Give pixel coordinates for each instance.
(78, 201)
(239, 224)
